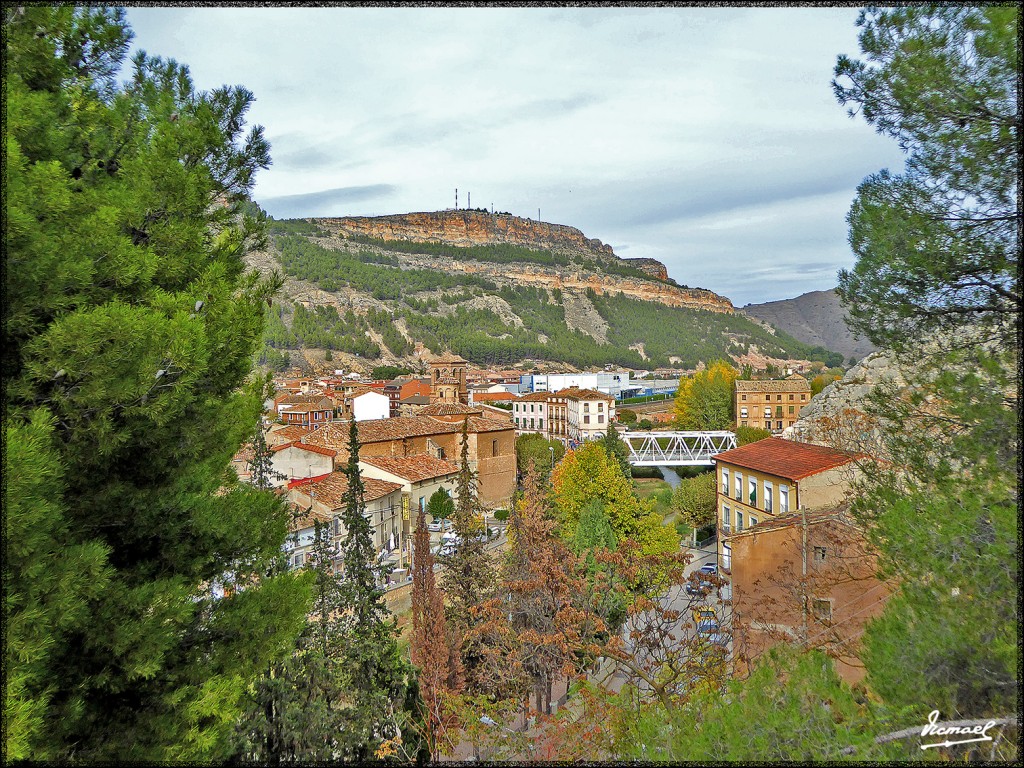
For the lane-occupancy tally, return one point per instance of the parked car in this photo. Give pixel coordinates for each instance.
(708, 627)
(699, 588)
(441, 524)
(709, 568)
(703, 613)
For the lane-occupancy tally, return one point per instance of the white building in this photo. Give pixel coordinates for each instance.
(300, 461)
(588, 414)
(368, 405)
(529, 413)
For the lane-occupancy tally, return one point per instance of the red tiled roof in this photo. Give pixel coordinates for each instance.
(535, 397)
(786, 458)
(291, 432)
(415, 468)
(493, 397)
(486, 424)
(448, 409)
(330, 489)
(306, 447)
(304, 480)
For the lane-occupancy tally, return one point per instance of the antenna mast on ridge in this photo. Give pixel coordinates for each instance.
(456, 198)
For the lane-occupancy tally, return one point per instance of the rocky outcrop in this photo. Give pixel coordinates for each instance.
(652, 267)
(466, 228)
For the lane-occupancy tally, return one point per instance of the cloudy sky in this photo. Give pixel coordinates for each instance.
(706, 138)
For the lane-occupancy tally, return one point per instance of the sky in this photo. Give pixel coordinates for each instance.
(707, 138)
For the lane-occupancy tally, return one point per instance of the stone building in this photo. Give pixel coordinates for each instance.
(448, 380)
(772, 404)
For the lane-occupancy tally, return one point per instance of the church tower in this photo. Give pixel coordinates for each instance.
(448, 380)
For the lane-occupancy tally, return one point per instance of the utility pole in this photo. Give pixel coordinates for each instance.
(469, 200)
(456, 198)
(803, 580)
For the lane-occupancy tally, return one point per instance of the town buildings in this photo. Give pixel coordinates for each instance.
(774, 477)
(772, 404)
(569, 415)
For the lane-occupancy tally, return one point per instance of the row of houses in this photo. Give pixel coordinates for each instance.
(570, 415)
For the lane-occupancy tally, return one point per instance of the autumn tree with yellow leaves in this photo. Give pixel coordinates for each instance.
(704, 401)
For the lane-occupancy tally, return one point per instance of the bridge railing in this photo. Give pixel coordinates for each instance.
(676, 448)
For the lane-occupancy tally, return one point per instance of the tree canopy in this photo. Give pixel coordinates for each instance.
(129, 335)
(704, 401)
(937, 245)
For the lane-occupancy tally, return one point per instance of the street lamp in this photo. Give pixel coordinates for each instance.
(552, 449)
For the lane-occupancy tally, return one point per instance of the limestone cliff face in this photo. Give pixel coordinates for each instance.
(467, 228)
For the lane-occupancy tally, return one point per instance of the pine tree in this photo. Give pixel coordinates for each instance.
(468, 571)
(129, 333)
(375, 672)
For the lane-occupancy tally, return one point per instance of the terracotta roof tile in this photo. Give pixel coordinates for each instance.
(291, 432)
(535, 397)
(415, 468)
(786, 458)
(485, 424)
(448, 409)
(306, 447)
(493, 397)
(330, 490)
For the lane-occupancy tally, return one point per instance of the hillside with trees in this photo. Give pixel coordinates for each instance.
(371, 284)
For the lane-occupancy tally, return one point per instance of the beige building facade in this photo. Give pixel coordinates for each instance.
(772, 404)
(772, 478)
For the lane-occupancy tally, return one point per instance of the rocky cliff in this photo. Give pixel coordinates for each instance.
(466, 228)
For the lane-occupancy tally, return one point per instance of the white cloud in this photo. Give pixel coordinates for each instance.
(705, 137)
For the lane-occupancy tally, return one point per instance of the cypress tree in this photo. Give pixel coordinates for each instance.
(375, 671)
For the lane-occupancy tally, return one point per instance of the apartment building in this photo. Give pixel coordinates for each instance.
(772, 478)
(588, 413)
(773, 404)
(530, 413)
(570, 415)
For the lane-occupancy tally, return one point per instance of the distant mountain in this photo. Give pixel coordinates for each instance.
(815, 318)
(494, 288)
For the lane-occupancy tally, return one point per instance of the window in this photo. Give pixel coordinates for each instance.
(725, 481)
(783, 499)
(726, 518)
(778, 410)
(423, 503)
(778, 397)
(739, 487)
(752, 491)
(743, 397)
(819, 554)
(767, 497)
(790, 397)
(494, 447)
(586, 419)
(778, 425)
(743, 423)
(743, 412)
(600, 419)
(739, 521)
(540, 423)
(803, 397)
(792, 409)
(600, 406)
(822, 609)
(767, 413)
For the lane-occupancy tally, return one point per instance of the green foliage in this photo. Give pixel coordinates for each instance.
(388, 372)
(364, 272)
(705, 400)
(627, 416)
(440, 505)
(130, 331)
(937, 247)
(383, 323)
(793, 707)
(534, 448)
(695, 500)
(304, 227)
(690, 334)
(747, 435)
(618, 450)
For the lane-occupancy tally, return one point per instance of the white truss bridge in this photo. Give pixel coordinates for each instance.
(680, 449)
